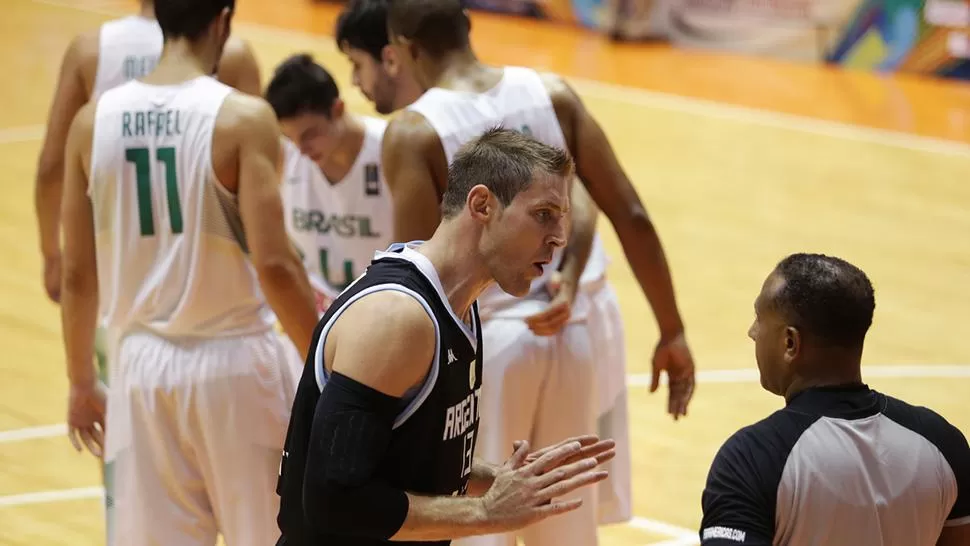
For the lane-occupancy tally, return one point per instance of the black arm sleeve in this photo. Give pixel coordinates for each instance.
(349, 438)
(736, 508)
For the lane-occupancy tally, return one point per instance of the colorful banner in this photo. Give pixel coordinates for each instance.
(880, 35)
(907, 36)
(922, 36)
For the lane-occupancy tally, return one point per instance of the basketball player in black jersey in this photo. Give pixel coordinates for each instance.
(382, 432)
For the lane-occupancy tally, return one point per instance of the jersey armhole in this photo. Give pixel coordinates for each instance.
(320, 371)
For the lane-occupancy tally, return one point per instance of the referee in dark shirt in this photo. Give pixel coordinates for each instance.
(841, 464)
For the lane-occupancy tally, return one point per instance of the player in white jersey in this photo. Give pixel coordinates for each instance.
(457, 108)
(174, 228)
(338, 208)
(118, 51)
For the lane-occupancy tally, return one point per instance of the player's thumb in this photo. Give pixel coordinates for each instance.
(520, 453)
(655, 379)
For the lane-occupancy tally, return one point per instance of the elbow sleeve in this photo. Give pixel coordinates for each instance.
(351, 432)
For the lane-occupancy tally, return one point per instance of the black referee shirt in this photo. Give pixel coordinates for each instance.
(839, 466)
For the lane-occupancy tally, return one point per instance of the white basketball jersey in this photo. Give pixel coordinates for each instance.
(170, 249)
(128, 48)
(519, 101)
(338, 225)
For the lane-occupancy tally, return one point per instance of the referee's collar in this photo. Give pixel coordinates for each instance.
(849, 401)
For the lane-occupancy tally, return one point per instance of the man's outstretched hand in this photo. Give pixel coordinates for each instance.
(529, 486)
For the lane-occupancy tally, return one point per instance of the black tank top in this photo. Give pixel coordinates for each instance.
(434, 435)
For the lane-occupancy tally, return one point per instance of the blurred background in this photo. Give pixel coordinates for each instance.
(751, 128)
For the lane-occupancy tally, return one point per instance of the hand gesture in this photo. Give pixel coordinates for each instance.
(591, 446)
(673, 356)
(85, 417)
(551, 320)
(523, 491)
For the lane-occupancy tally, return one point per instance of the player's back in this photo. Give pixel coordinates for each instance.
(128, 48)
(519, 101)
(339, 224)
(170, 250)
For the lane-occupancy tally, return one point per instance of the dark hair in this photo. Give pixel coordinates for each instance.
(826, 297)
(188, 18)
(437, 26)
(301, 85)
(363, 25)
(503, 160)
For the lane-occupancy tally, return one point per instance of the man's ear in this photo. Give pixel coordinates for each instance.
(479, 203)
(793, 342)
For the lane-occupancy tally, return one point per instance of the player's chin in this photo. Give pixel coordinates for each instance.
(518, 286)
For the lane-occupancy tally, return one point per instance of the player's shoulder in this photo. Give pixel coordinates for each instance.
(238, 67)
(84, 46)
(929, 424)
(237, 48)
(244, 110)
(410, 130)
(391, 315)
(557, 86)
(383, 336)
(766, 443)
(81, 55)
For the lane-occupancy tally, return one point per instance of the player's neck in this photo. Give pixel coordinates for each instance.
(451, 71)
(147, 10)
(180, 61)
(339, 161)
(462, 276)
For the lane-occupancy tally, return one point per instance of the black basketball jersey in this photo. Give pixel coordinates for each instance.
(434, 435)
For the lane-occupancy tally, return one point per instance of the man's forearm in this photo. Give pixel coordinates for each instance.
(47, 203)
(79, 317)
(289, 294)
(643, 250)
(442, 518)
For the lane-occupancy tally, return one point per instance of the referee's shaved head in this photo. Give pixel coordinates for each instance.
(826, 297)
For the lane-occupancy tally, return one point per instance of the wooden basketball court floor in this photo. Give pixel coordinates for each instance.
(739, 161)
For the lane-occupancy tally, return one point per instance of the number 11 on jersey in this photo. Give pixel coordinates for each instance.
(146, 217)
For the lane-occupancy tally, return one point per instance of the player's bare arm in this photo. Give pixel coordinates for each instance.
(74, 84)
(248, 135)
(79, 306)
(564, 285)
(416, 171)
(238, 67)
(380, 347)
(598, 167)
